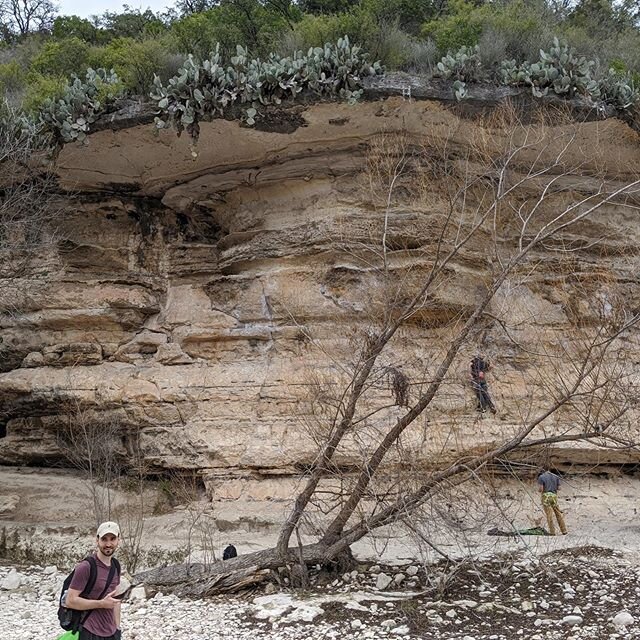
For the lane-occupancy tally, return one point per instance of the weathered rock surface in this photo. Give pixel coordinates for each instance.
(195, 298)
(354, 610)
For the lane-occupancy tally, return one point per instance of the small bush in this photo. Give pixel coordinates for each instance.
(523, 27)
(384, 40)
(41, 88)
(199, 33)
(11, 77)
(74, 27)
(462, 27)
(628, 49)
(251, 23)
(314, 31)
(136, 62)
(62, 58)
(492, 49)
(421, 56)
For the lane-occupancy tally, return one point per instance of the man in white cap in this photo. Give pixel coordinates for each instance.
(102, 618)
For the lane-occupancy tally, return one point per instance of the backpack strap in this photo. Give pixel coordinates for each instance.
(93, 576)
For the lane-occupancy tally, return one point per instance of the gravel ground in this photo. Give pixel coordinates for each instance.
(583, 593)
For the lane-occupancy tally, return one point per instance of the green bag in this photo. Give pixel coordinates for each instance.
(69, 635)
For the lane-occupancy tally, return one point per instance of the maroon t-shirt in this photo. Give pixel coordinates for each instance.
(102, 621)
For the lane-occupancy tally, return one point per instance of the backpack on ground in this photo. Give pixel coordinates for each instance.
(229, 552)
(71, 619)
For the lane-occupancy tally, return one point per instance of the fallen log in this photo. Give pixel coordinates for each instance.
(226, 576)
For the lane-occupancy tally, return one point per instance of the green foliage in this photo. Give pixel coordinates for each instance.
(519, 26)
(559, 70)
(314, 31)
(620, 89)
(75, 27)
(599, 18)
(132, 23)
(135, 62)
(461, 27)
(11, 77)
(384, 41)
(62, 57)
(40, 89)
(205, 90)
(258, 27)
(409, 15)
(462, 65)
(522, 27)
(323, 7)
(198, 34)
(68, 118)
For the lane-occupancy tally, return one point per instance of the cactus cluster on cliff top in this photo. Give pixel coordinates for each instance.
(69, 117)
(557, 71)
(203, 90)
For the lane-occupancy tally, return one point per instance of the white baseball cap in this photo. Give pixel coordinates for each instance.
(108, 527)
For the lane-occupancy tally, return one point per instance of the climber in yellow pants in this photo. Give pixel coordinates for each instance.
(549, 483)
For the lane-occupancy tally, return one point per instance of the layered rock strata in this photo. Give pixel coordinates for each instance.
(196, 300)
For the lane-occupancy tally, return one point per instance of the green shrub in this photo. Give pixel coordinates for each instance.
(256, 26)
(421, 56)
(408, 15)
(199, 33)
(132, 23)
(75, 27)
(24, 51)
(462, 27)
(384, 41)
(11, 77)
(62, 57)
(41, 88)
(135, 62)
(492, 49)
(628, 49)
(523, 27)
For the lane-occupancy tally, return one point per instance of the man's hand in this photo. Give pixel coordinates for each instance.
(109, 602)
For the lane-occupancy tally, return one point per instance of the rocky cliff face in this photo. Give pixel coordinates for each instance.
(192, 300)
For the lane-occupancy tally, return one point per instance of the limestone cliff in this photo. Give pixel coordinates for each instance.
(192, 298)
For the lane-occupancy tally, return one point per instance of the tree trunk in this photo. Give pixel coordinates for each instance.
(224, 576)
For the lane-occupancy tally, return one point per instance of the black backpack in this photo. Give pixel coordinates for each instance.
(478, 367)
(229, 552)
(71, 619)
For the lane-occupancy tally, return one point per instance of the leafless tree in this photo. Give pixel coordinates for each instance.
(93, 445)
(514, 193)
(21, 17)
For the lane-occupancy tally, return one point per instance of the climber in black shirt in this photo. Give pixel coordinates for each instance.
(479, 368)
